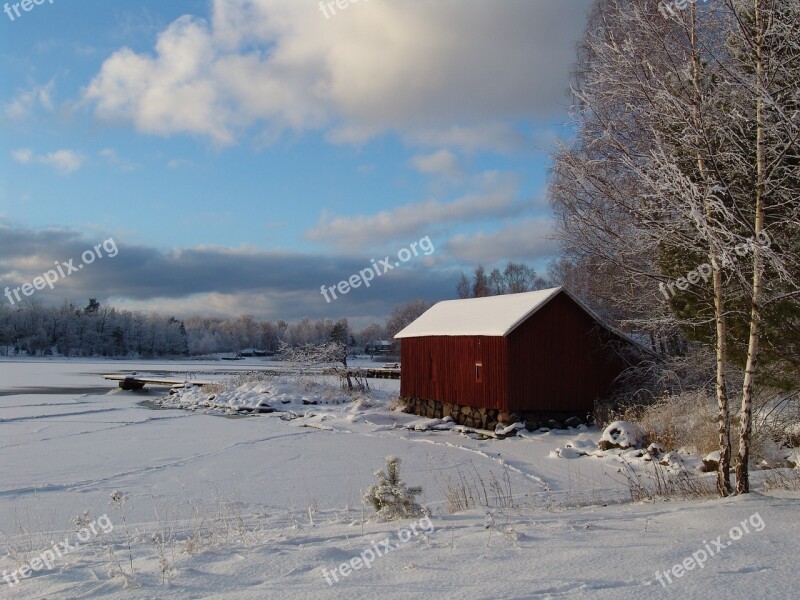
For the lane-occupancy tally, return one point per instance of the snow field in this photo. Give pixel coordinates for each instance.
(257, 506)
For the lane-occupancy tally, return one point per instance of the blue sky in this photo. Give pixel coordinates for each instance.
(244, 152)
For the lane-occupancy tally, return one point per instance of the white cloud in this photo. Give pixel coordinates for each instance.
(26, 101)
(63, 161)
(179, 163)
(450, 72)
(443, 163)
(23, 155)
(527, 240)
(111, 157)
(497, 136)
(496, 200)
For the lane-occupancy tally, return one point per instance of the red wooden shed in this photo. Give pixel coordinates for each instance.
(533, 356)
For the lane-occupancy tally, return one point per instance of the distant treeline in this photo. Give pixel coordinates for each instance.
(36, 329)
(98, 330)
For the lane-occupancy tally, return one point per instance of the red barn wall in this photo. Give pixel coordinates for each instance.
(443, 368)
(559, 360)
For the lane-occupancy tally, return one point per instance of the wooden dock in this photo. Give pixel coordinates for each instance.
(387, 371)
(135, 382)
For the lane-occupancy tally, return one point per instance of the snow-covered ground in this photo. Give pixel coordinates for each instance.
(214, 504)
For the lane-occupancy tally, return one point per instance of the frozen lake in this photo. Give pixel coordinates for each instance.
(68, 438)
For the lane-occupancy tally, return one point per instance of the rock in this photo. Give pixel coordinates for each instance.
(606, 445)
(553, 424)
(531, 425)
(711, 462)
(567, 453)
(572, 422)
(672, 459)
(655, 450)
(506, 418)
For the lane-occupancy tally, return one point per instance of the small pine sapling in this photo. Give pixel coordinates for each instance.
(391, 498)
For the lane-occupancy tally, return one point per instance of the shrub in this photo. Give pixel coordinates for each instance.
(400, 404)
(390, 497)
(685, 421)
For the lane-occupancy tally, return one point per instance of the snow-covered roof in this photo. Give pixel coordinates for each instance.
(491, 316)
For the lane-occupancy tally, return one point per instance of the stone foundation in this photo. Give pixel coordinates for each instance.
(489, 418)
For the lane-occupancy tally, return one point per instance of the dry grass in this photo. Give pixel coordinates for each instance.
(214, 388)
(687, 421)
(656, 483)
(469, 490)
(781, 479)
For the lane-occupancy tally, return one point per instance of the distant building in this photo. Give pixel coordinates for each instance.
(537, 355)
(384, 348)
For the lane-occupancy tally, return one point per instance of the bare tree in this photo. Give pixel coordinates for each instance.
(480, 283)
(519, 278)
(514, 279)
(463, 287)
(404, 314)
(497, 283)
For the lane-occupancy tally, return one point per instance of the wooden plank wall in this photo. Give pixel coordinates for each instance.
(443, 368)
(560, 360)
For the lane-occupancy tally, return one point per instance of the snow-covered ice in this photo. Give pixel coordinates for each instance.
(259, 505)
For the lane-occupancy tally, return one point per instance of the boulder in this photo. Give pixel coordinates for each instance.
(711, 462)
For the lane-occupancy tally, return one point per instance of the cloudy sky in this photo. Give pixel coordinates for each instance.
(243, 153)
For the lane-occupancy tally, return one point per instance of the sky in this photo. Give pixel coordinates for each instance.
(242, 154)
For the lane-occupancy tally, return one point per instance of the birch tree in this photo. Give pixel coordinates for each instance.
(767, 70)
(662, 172)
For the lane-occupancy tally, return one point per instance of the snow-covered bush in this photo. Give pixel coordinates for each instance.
(390, 497)
(776, 431)
(400, 404)
(621, 434)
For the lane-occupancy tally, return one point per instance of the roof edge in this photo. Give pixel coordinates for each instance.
(555, 292)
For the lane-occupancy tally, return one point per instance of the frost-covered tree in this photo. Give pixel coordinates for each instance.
(686, 148)
(391, 498)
